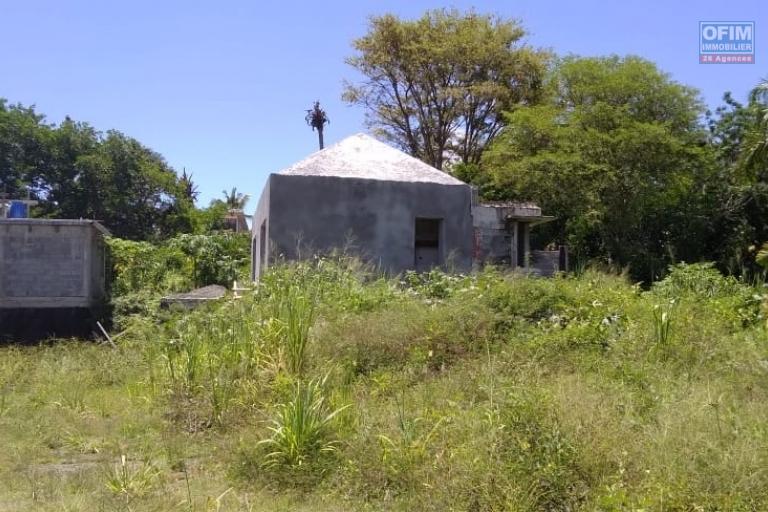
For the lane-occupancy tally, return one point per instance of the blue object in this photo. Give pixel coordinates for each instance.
(18, 210)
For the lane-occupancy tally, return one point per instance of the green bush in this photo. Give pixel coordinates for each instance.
(143, 272)
(726, 296)
(699, 279)
(218, 258)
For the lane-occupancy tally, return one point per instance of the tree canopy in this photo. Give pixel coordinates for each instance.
(618, 154)
(75, 171)
(437, 86)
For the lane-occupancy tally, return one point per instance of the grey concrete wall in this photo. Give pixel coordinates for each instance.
(50, 263)
(260, 218)
(495, 242)
(545, 263)
(316, 214)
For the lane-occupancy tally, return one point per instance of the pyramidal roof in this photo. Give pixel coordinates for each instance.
(362, 156)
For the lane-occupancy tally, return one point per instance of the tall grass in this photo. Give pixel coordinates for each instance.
(662, 322)
(302, 429)
(491, 391)
(294, 309)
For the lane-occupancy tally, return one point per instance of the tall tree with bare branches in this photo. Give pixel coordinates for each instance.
(317, 119)
(437, 86)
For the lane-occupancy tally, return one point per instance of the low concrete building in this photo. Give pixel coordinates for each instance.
(51, 263)
(52, 278)
(389, 208)
(502, 238)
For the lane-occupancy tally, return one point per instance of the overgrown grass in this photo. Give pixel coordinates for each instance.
(302, 430)
(332, 388)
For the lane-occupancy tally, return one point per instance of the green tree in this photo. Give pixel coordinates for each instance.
(215, 258)
(188, 187)
(76, 172)
(25, 149)
(619, 156)
(235, 200)
(738, 133)
(758, 151)
(128, 187)
(437, 86)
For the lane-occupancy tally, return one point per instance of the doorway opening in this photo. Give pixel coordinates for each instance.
(522, 249)
(427, 250)
(262, 247)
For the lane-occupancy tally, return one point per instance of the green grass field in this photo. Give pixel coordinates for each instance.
(328, 388)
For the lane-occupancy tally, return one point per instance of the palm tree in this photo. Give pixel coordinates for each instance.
(317, 119)
(235, 200)
(188, 187)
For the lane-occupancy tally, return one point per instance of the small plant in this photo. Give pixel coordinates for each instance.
(413, 443)
(302, 429)
(292, 315)
(130, 482)
(662, 322)
(299, 315)
(435, 284)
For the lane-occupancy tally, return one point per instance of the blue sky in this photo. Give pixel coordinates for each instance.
(221, 87)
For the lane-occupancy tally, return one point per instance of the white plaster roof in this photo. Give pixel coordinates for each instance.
(362, 156)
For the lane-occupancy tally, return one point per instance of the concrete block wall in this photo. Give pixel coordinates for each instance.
(51, 263)
(305, 215)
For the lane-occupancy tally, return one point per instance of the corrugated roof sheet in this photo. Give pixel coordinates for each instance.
(362, 156)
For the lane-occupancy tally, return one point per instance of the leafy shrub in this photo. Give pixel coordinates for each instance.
(218, 258)
(434, 284)
(700, 279)
(144, 267)
(727, 297)
(143, 272)
(762, 256)
(525, 298)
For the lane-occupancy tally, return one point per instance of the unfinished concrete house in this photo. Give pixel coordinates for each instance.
(502, 237)
(387, 207)
(52, 273)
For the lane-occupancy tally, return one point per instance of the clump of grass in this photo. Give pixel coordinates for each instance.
(302, 431)
(662, 322)
(298, 313)
(402, 453)
(129, 481)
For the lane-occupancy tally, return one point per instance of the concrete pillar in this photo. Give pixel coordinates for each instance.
(563, 258)
(527, 243)
(87, 256)
(513, 245)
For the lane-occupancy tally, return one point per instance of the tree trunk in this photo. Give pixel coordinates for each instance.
(320, 137)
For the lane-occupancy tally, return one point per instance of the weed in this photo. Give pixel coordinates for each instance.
(662, 322)
(129, 481)
(302, 430)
